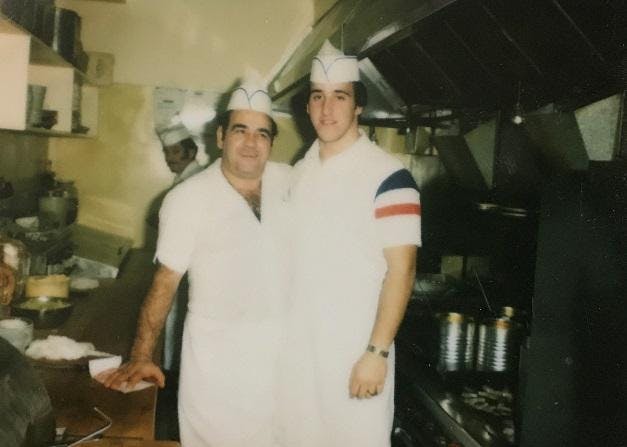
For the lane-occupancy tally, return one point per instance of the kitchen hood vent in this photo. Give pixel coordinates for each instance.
(475, 55)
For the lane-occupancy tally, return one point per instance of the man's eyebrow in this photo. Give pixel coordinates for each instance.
(238, 126)
(345, 92)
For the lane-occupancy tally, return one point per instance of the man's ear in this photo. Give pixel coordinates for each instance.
(358, 110)
(219, 137)
(307, 108)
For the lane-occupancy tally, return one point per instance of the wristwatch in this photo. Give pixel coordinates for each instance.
(378, 351)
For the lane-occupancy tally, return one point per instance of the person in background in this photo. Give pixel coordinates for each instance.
(179, 150)
(224, 228)
(356, 226)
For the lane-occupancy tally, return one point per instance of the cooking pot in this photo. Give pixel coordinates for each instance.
(498, 344)
(456, 342)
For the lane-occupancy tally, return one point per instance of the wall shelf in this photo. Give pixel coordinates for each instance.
(27, 60)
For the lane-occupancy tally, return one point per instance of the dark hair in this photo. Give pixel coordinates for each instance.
(359, 91)
(361, 94)
(189, 146)
(224, 119)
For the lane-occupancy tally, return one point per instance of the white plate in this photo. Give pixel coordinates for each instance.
(83, 284)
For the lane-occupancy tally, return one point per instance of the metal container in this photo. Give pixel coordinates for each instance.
(456, 342)
(17, 331)
(61, 31)
(46, 312)
(498, 343)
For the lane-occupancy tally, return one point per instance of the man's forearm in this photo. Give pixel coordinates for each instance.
(154, 312)
(395, 292)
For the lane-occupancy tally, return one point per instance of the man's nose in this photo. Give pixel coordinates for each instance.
(327, 107)
(250, 139)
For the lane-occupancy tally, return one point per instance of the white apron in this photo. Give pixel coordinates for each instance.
(235, 320)
(338, 272)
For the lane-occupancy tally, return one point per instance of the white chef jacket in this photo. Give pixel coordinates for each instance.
(345, 211)
(173, 328)
(193, 167)
(235, 265)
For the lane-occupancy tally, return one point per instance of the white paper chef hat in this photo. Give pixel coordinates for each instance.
(330, 65)
(173, 134)
(251, 95)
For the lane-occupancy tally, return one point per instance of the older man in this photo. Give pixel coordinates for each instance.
(223, 228)
(356, 215)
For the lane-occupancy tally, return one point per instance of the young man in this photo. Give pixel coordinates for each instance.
(356, 215)
(223, 228)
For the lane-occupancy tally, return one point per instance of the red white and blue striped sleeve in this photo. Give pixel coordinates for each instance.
(397, 210)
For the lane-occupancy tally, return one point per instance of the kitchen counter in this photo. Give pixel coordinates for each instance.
(106, 317)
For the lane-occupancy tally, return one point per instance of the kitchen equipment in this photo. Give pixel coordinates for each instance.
(48, 285)
(46, 312)
(66, 189)
(62, 32)
(26, 416)
(17, 331)
(433, 287)
(498, 344)
(456, 342)
(34, 104)
(49, 119)
(54, 208)
(14, 254)
(483, 294)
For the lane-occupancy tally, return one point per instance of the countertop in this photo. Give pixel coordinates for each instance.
(106, 317)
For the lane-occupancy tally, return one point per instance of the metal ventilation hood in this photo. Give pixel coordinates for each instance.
(473, 55)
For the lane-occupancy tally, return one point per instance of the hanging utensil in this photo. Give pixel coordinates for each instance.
(485, 296)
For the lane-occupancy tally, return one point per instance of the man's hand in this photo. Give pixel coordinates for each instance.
(368, 376)
(130, 374)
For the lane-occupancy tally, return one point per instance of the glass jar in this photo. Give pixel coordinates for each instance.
(16, 257)
(17, 331)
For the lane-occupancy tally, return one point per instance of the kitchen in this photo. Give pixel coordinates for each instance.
(414, 86)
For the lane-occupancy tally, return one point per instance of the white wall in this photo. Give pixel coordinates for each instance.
(199, 44)
(195, 44)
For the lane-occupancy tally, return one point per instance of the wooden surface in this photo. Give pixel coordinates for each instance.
(130, 443)
(106, 317)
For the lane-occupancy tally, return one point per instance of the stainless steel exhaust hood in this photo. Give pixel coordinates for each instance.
(473, 54)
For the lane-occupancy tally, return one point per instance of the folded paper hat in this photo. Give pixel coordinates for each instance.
(173, 134)
(251, 95)
(330, 65)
